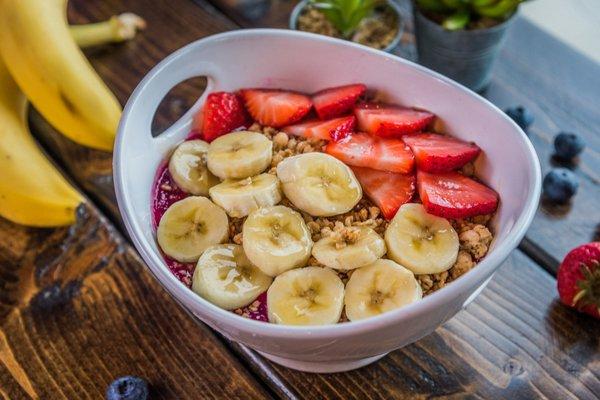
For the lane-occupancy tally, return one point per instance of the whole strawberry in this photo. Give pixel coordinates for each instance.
(579, 279)
(223, 112)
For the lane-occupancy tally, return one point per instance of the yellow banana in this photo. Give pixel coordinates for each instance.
(44, 59)
(32, 191)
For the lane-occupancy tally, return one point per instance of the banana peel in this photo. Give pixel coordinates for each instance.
(32, 191)
(45, 61)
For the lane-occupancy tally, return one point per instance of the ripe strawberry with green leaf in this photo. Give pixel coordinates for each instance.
(578, 279)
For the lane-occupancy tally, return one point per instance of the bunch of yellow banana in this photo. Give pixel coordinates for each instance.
(40, 60)
(32, 191)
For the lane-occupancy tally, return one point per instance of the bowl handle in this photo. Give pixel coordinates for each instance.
(146, 98)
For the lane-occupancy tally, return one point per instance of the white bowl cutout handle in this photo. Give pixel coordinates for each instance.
(156, 85)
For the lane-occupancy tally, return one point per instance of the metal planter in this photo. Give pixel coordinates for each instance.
(467, 56)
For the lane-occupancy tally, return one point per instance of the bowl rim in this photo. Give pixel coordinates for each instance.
(181, 292)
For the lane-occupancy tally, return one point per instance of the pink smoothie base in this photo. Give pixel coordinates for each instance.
(161, 201)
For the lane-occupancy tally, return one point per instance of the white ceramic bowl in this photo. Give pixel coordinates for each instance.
(308, 62)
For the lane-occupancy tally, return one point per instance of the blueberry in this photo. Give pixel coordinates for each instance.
(560, 184)
(521, 116)
(127, 388)
(568, 145)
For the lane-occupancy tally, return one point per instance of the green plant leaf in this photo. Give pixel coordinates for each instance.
(501, 10)
(482, 3)
(346, 15)
(457, 20)
(454, 4)
(432, 6)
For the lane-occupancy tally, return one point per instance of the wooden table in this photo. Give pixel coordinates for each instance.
(78, 307)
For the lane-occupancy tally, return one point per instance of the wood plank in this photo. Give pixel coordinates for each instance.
(515, 341)
(78, 309)
(493, 349)
(122, 66)
(559, 85)
(562, 89)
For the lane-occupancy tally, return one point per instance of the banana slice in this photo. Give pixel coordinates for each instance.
(276, 239)
(378, 288)
(352, 248)
(422, 242)
(191, 225)
(240, 197)
(319, 184)
(239, 155)
(225, 277)
(188, 168)
(306, 296)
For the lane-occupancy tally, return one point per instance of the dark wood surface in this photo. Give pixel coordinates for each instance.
(513, 342)
(78, 307)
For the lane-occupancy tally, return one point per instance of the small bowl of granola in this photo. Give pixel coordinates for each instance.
(326, 208)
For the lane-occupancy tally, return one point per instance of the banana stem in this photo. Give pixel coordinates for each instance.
(118, 28)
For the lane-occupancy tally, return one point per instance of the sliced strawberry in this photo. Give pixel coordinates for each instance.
(336, 101)
(333, 129)
(388, 190)
(363, 150)
(276, 108)
(390, 120)
(452, 195)
(223, 112)
(438, 153)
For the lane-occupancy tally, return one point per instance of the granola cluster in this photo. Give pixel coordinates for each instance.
(474, 234)
(285, 146)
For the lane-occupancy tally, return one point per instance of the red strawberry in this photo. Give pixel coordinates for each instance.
(388, 190)
(438, 153)
(276, 108)
(452, 195)
(333, 129)
(222, 113)
(390, 120)
(336, 101)
(578, 279)
(363, 150)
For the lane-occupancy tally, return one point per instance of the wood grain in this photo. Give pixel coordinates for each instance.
(562, 89)
(515, 341)
(78, 309)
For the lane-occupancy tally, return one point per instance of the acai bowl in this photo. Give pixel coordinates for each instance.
(301, 63)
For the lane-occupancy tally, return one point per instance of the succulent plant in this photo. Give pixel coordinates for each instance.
(345, 15)
(457, 14)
